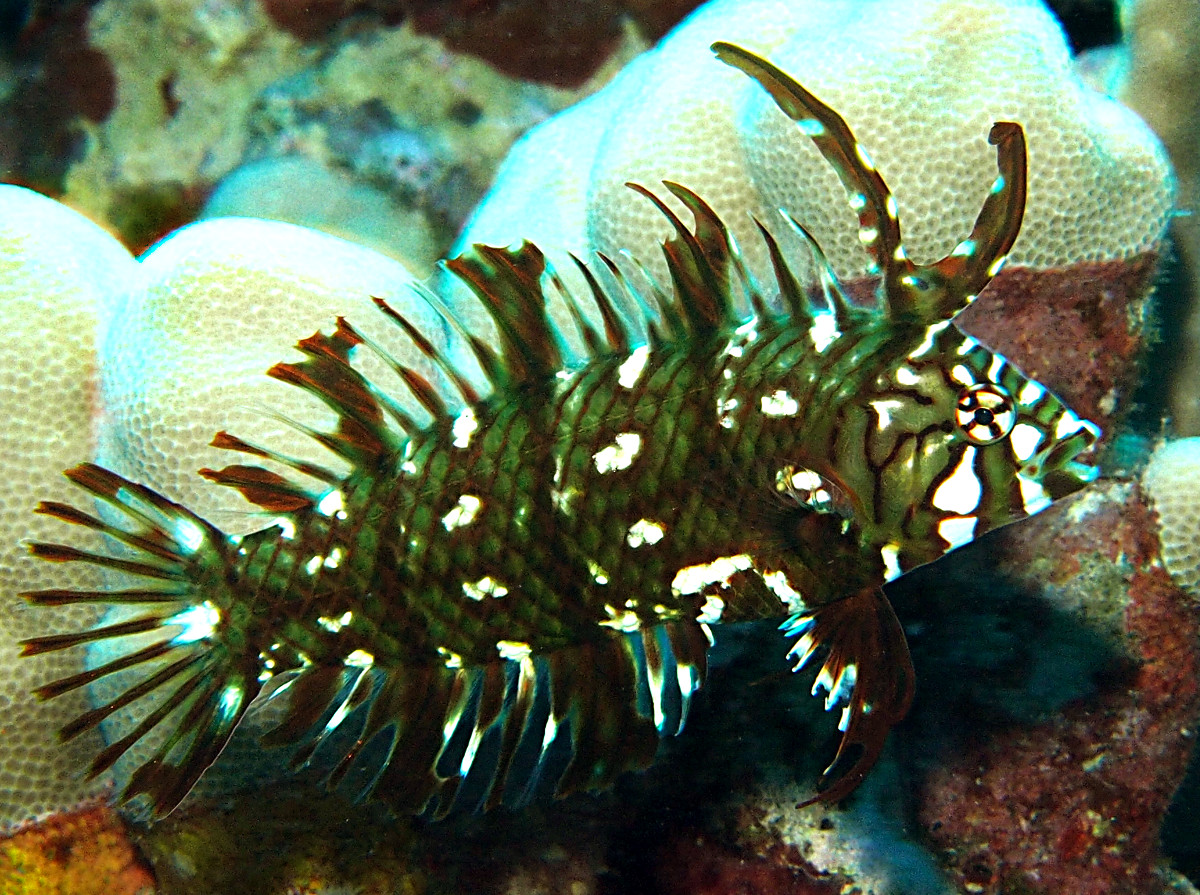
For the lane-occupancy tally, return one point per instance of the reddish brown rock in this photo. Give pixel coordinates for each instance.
(1073, 806)
(539, 40)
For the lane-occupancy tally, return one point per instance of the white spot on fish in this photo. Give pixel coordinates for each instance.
(779, 404)
(957, 530)
(452, 660)
(313, 564)
(962, 375)
(334, 559)
(891, 560)
(968, 345)
(333, 625)
(710, 612)
(620, 620)
(890, 206)
(287, 528)
(964, 249)
(1031, 393)
(359, 659)
(777, 582)
(598, 574)
(189, 535)
(810, 127)
(864, 157)
(858, 201)
(198, 623)
(332, 504)
(931, 333)
(1033, 495)
(693, 579)
(1024, 439)
(619, 455)
(907, 376)
(1068, 424)
(725, 406)
(960, 492)
(484, 587)
(868, 235)
(644, 531)
(514, 650)
(883, 408)
(996, 266)
(463, 427)
(996, 368)
(823, 332)
(631, 369)
(462, 513)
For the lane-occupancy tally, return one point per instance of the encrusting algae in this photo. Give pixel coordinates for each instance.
(518, 594)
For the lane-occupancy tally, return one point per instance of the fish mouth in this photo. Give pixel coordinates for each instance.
(1056, 467)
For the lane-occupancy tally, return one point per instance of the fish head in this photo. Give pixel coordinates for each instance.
(958, 442)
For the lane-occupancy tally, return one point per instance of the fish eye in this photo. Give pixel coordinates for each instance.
(985, 413)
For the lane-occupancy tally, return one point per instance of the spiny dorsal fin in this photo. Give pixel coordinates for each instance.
(920, 293)
(704, 264)
(362, 436)
(509, 284)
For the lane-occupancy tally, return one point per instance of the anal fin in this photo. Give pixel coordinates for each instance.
(428, 738)
(867, 672)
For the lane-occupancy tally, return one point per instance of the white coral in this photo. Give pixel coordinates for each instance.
(1172, 482)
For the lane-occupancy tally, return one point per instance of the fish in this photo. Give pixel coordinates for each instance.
(520, 593)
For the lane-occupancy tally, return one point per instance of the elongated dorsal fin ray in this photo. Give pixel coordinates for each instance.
(792, 295)
(836, 300)
(879, 226)
(449, 370)
(617, 336)
(980, 256)
(922, 294)
(364, 438)
(225, 441)
(191, 694)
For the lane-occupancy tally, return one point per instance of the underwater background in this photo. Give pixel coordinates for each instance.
(1057, 661)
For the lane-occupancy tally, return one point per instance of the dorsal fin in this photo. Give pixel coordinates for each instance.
(704, 264)
(508, 282)
(923, 293)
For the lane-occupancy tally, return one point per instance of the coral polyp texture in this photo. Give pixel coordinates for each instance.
(1098, 181)
(58, 274)
(1172, 482)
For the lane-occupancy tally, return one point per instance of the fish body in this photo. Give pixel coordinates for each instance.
(538, 568)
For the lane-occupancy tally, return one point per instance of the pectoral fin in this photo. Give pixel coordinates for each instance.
(867, 672)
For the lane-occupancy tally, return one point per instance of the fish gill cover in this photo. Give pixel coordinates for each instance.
(520, 591)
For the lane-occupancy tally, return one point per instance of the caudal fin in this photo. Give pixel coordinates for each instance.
(180, 673)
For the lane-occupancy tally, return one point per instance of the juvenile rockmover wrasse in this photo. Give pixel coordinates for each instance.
(538, 568)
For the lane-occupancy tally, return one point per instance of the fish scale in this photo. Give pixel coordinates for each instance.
(520, 593)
